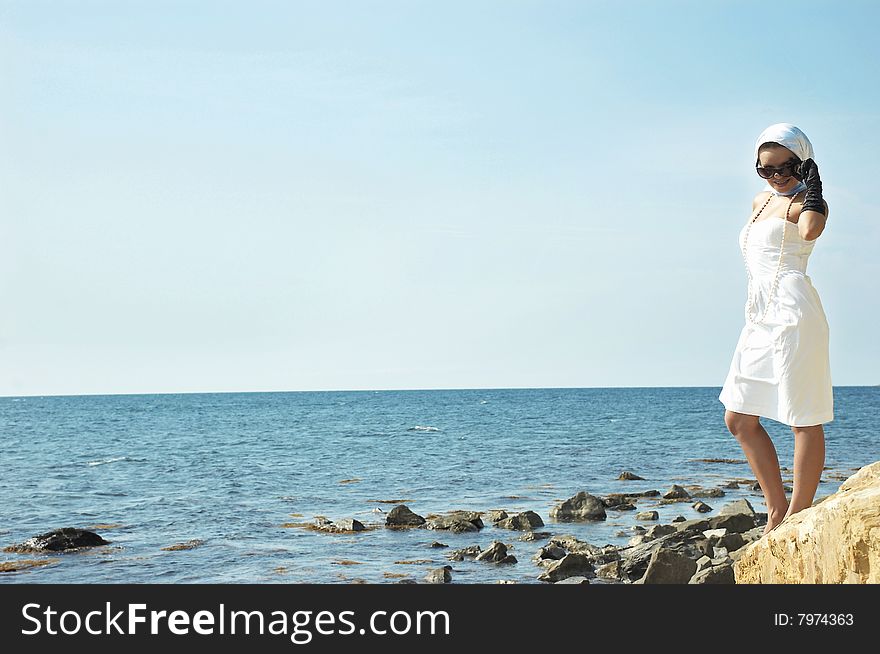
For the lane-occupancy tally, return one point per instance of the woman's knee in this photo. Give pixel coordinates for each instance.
(739, 423)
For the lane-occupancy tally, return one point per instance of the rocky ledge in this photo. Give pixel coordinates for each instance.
(836, 541)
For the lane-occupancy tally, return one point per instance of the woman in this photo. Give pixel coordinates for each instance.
(780, 367)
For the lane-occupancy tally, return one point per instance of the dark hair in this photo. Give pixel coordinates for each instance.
(772, 144)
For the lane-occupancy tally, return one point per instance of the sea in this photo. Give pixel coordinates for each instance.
(235, 476)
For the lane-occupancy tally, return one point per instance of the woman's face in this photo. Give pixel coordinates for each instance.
(775, 157)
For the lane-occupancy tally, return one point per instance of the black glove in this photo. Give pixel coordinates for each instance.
(808, 172)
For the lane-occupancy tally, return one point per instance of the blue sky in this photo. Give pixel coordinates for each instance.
(256, 196)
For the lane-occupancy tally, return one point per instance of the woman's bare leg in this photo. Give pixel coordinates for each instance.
(809, 459)
(762, 457)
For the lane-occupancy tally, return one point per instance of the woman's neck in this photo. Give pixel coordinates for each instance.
(797, 189)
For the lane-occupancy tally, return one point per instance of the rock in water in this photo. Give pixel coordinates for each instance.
(468, 552)
(440, 575)
(457, 522)
(676, 492)
(549, 553)
(833, 542)
(626, 475)
(525, 521)
(534, 535)
(60, 540)
(496, 553)
(582, 506)
(572, 544)
(401, 516)
(710, 492)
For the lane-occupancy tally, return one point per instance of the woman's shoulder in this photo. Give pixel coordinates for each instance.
(760, 198)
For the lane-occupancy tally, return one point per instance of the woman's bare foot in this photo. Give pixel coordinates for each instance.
(774, 519)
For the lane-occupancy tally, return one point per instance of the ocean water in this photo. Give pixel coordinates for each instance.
(231, 468)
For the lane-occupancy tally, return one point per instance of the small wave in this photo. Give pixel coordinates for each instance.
(112, 459)
(484, 401)
(423, 428)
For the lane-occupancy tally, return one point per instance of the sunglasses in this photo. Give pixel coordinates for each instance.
(787, 169)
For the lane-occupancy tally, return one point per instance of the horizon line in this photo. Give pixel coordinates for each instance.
(386, 390)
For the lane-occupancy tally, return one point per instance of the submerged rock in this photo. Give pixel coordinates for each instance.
(65, 539)
(710, 492)
(619, 502)
(468, 552)
(534, 535)
(647, 493)
(188, 545)
(457, 522)
(25, 564)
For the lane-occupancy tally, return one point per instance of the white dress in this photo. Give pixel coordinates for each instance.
(780, 368)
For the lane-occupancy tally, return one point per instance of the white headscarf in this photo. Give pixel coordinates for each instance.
(791, 137)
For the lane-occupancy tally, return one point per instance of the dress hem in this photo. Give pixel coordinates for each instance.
(771, 414)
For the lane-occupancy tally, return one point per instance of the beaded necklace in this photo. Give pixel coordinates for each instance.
(773, 286)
